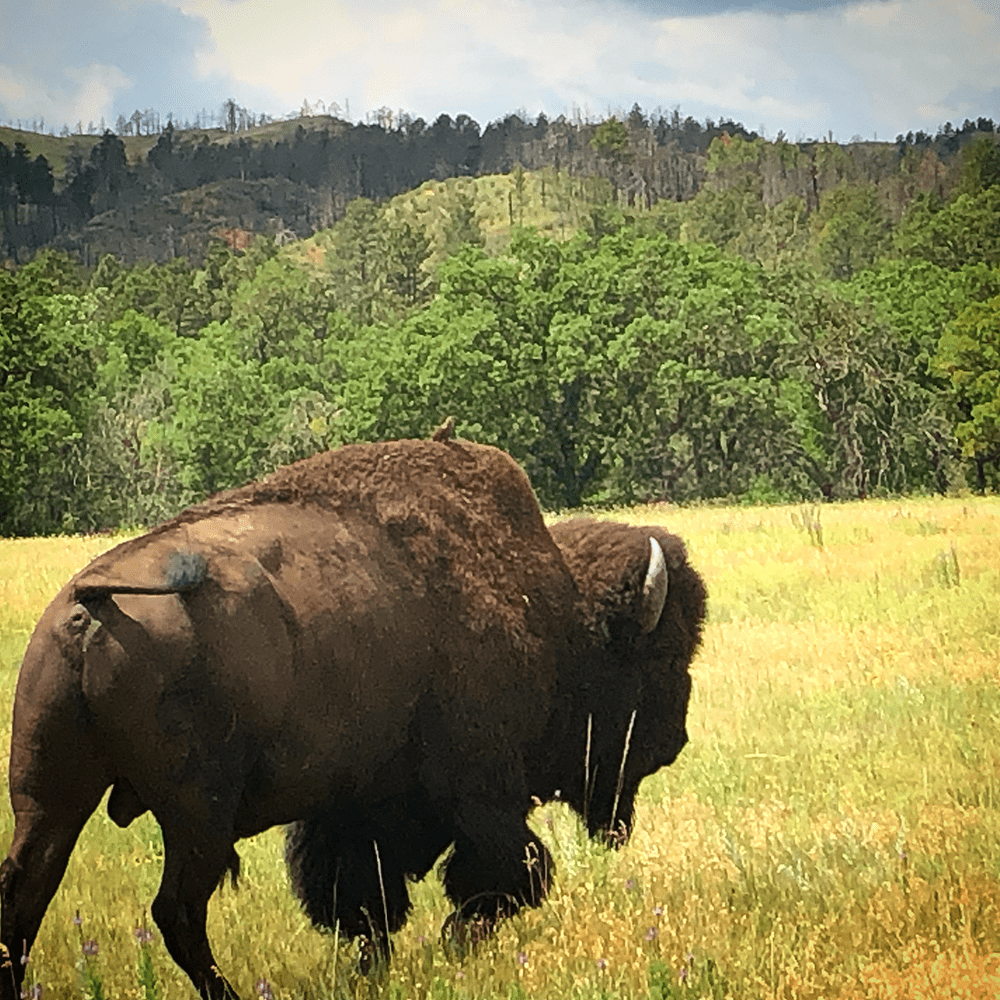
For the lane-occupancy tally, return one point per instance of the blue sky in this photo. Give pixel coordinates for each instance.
(805, 67)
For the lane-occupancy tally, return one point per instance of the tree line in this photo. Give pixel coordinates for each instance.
(302, 177)
(331, 160)
(718, 348)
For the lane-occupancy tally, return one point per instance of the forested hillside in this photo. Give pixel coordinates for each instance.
(152, 194)
(742, 343)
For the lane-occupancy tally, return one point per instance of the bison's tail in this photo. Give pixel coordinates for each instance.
(180, 572)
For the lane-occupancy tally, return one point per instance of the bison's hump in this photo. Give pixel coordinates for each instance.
(465, 474)
(462, 515)
(355, 477)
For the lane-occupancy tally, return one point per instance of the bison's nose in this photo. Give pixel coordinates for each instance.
(680, 741)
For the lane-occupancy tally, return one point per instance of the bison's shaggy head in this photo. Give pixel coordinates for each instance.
(644, 607)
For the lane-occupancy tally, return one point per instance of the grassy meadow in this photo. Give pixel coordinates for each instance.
(832, 829)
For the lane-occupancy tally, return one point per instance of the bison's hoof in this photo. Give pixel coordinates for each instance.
(373, 955)
(462, 934)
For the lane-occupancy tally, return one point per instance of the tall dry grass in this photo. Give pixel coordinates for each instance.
(831, 830)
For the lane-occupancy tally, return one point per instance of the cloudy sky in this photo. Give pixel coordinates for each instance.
(807, 67)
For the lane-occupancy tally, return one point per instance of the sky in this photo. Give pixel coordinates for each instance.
(867, 69)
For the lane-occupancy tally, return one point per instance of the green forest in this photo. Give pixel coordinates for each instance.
(806, 324)
(152, 193)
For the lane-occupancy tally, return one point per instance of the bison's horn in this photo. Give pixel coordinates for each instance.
(654, 588)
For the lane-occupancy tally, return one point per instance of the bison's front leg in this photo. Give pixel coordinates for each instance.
(497, 866)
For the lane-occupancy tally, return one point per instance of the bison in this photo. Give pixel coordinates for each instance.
(382, 647)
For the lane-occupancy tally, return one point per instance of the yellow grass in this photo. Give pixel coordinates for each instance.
(831, 830)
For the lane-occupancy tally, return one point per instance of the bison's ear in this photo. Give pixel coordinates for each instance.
(633, 604)
(654, 589)
(621, 572)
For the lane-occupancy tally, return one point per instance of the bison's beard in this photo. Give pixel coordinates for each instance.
(610, 802)
(612, 825)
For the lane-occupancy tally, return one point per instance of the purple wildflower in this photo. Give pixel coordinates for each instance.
(657, 911)
(143, 935)
(76, 920)
(651, 934)
(683, 974)
(263, 988)
(602, 964)
(522, 958)
(460, 974)
(630, 883)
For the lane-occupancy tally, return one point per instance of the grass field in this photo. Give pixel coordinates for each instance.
(832, 830)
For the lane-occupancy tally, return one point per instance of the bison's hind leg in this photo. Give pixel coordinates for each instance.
(56, 782)
(193, 865)
(43, 841)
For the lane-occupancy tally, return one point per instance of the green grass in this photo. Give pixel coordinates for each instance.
(57, 149)
(553, 203)
(832, 829)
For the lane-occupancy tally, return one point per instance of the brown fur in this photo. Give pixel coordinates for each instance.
(382, 646)
(461, 512)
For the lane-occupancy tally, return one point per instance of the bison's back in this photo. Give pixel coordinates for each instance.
(361, 622)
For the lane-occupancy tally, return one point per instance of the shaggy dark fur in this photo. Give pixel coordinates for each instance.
(383, 648)
(647, 674)
(342, 859)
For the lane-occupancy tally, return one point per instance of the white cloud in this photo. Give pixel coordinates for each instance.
(88, 98)
(96, 86)
(736, 62)
(873, 15)
(561, 48)
(876, 64)
(918, 55)
(15, 93)
(431, 56)
(892, 64)
(295, 50)
(412, 54)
